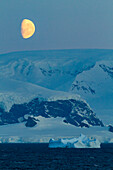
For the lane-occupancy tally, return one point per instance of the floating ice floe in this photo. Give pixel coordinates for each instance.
(80, 142)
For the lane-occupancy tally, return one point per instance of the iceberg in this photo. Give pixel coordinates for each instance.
(81, 142)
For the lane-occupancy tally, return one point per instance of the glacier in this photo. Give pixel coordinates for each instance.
(80, 142)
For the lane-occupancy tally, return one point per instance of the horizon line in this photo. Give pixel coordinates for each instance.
(10, 52)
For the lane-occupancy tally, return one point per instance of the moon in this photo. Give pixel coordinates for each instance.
(27, 28)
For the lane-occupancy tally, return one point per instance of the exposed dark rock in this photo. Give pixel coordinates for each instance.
(30, 122)
(65, 121)
(80, 86)
(107, 69)
(75, 112)
(110, 128)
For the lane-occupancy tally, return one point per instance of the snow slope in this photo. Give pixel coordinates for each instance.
(50, 128)
(19, 92)
(96, 87)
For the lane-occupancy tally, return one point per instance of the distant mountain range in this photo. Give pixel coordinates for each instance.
(47, 84)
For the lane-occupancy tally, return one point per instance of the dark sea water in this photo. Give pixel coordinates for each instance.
(39, 156)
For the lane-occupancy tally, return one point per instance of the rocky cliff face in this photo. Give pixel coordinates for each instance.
(75, 112)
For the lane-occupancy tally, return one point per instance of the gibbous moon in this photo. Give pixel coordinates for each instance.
(27, 28)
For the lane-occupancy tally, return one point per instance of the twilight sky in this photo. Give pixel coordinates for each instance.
(60, 24)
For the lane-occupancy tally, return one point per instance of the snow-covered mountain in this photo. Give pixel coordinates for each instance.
(53, 90)
(19, 100)
(96, 87)
(46, 83)
(54, 70)
(37, 83)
